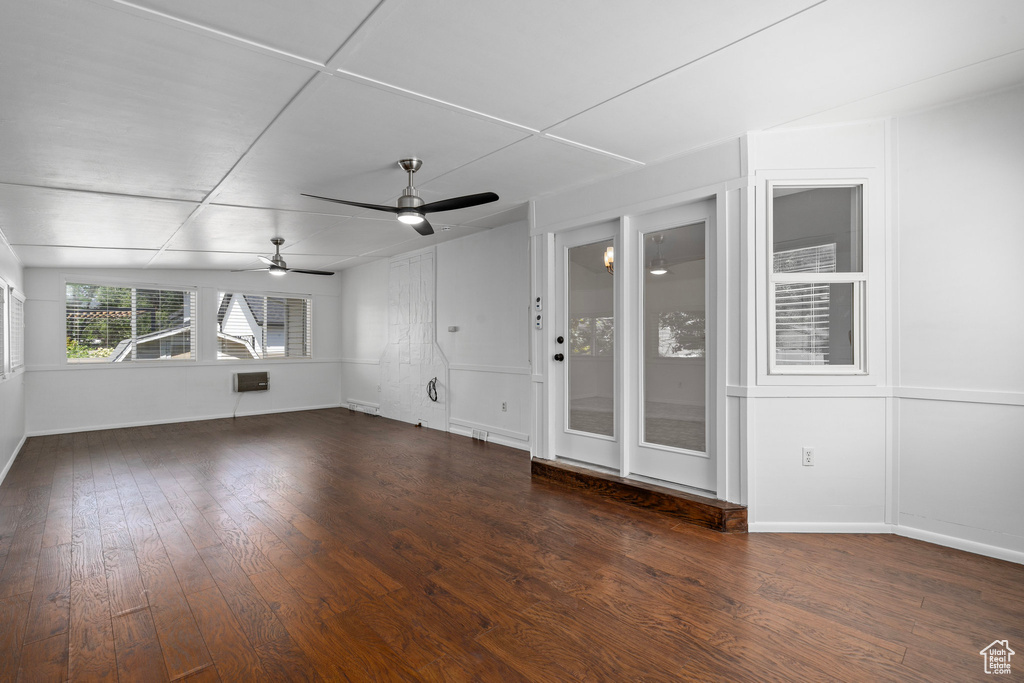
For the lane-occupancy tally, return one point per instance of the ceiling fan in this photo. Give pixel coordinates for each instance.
(276, 264)
(411, 210)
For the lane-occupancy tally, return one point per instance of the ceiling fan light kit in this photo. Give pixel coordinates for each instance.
(411, 209)
(276, 264)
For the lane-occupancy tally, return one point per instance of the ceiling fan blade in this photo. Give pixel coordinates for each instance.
(424, 228)
(376, 207)
(249, 270)
(463, 202)
(266, 260)
(310, 272)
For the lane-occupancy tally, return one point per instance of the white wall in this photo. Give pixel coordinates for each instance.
(960, 324)
(12, 389)
(364, 331)
(844, 419)
(60, 397)
(482, 288)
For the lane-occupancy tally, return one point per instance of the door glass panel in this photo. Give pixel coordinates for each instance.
(591, 347)
(674, 402)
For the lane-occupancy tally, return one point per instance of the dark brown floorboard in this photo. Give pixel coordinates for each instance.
(330, 545)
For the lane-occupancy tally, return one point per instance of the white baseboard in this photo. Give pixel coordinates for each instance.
(945, 540)
(962, 544)
(491, 430)
(492, 437)
(147, 423)
(821, 527)
(10, 460)
(362, 406)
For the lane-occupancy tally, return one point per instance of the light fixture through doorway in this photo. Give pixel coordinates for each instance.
(609, 259)
(658, 265)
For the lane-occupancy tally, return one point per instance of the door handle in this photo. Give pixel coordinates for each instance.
(559, 357)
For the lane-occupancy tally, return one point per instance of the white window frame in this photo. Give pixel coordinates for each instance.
(308, 298)
(4, 318)
(13, 332)
(859, 280)
(113, 282)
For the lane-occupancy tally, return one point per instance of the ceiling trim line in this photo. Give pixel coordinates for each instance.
(170, 19)
(350, 75)
(687, 64)
(596, 150)
(102, 193)
(308, 86)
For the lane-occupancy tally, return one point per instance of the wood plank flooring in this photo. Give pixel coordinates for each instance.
(331, 545)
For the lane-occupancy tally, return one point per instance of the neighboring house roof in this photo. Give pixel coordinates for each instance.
(238, 340)
(123, 348)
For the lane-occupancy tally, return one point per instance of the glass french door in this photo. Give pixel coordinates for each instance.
(636, 401)
(673, 357)
(585, 371)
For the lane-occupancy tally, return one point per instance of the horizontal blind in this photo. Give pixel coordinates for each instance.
(262, 327)
(17, 340)
(3, 300)
(802, 324)
(109, 324)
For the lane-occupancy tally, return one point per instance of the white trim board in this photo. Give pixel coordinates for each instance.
(469, 424)
(10, 461)
(492, 437)
(146, 423)
(944, 540)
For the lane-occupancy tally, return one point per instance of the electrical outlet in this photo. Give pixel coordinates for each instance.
(504, 407)
(808, 457)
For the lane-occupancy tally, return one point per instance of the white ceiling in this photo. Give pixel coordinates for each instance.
(181, 133)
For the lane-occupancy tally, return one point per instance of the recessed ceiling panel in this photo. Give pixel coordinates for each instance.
(227, 228)
(82, 257)
(528, 169)
(344, 140)
(354, 237)
(831, 55)
(536, 62)
(206, 260)
(40, 216)
(100, 99)
(313, 29)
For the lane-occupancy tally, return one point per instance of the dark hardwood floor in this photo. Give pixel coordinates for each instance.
(333, 545)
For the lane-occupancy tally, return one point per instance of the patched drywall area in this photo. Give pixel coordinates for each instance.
(412, 357)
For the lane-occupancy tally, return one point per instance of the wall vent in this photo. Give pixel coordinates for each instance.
(251, 381)
(479, 435)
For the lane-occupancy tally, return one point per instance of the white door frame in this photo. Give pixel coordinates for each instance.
(730, 484)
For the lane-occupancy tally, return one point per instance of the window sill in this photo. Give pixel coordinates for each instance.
(179, 364)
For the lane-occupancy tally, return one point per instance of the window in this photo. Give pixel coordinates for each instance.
(817, 279)
(255, 326)
(111, 324)
(3, 327)
(16, 339)
(592, 336)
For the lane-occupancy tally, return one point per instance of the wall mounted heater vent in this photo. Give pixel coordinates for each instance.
(479, 435)
(251, 381)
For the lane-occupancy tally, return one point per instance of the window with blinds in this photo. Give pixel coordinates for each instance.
(116, 324)
(17, 328)
(3, 320)
(816, 279)
(259, 327)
